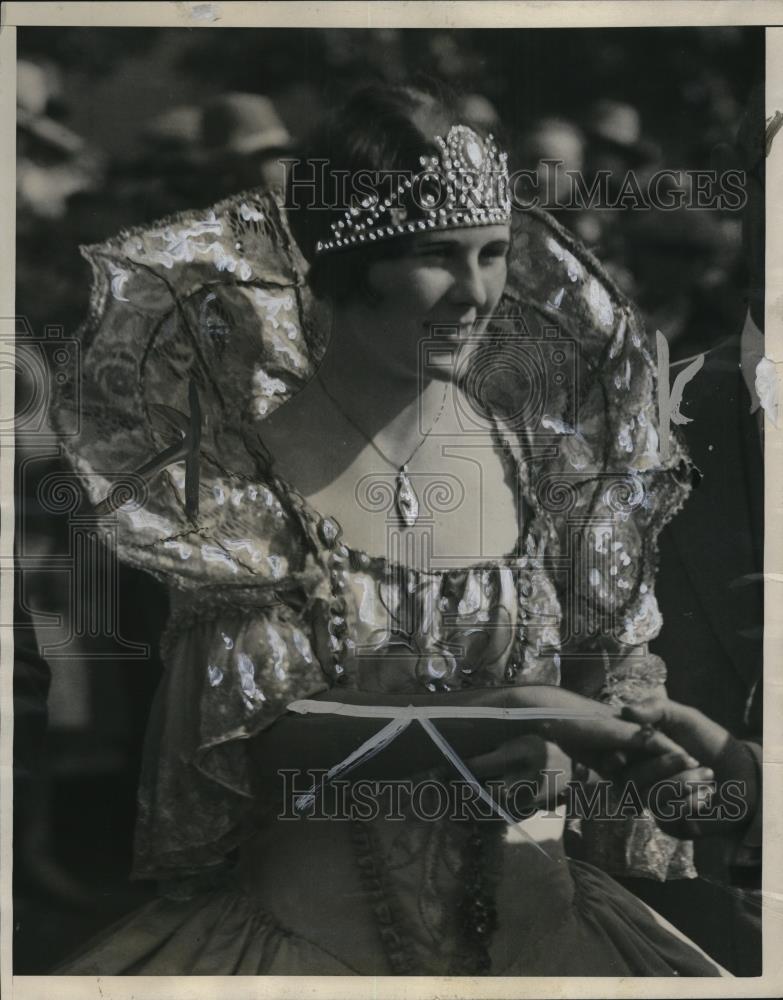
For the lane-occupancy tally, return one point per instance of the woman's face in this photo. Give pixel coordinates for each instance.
(451, 280)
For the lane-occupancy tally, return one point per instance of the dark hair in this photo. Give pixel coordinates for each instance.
(381, 129)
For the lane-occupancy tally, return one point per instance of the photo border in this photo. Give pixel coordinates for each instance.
(430, 15)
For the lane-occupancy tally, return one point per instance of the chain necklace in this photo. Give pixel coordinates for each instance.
(406, 501)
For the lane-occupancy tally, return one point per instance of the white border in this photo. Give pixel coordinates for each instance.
(386, 14)
(454, 15)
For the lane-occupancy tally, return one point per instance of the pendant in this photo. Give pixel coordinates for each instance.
(405, 499)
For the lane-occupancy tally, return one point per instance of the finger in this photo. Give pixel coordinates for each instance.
(603, 735)
(629, 737)
(656, 743)
(612, 762)
(666, 765)
(679, 788)
(649, 712)
(641, 745)
(524, 755)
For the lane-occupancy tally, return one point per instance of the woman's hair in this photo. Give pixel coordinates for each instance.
(379, 129)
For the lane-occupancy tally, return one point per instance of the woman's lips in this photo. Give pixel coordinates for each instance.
(451, 331)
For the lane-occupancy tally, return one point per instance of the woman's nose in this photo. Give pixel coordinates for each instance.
(469, 287)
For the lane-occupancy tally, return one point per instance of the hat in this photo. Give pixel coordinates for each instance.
(36, 85)
(176, 129)
(620, 126)
(241, 123)
(555, 139)
(475, 109)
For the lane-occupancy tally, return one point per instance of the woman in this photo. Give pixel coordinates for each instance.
(379, 542)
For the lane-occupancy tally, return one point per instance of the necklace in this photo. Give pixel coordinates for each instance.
(406, 502)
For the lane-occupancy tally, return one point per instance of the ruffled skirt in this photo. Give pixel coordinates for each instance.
(606, 931)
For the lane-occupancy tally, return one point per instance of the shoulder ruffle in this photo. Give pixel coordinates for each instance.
(582, 418)
(199, 325)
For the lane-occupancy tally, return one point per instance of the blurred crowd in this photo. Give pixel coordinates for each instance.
(612, 100)
(228, 106)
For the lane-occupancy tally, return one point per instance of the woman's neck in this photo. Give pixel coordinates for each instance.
(393, 406)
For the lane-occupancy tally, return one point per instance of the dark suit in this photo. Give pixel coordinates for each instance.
(710, 592)
(709, 584)
(31, 687)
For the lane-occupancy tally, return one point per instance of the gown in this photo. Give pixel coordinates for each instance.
(271, 607)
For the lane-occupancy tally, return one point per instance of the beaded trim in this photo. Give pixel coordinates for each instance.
(373, 876)
(478, 912)
(471, 176)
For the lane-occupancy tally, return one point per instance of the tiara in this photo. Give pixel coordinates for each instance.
(467, 184)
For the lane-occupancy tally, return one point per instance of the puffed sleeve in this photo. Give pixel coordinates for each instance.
(199, 326)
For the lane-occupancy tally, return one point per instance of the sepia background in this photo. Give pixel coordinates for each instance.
(118, 127)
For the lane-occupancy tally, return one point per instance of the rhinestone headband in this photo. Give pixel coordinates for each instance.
(465, 185)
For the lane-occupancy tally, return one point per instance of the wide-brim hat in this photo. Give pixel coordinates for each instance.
(175, 130)
(242, 124)
(618, 126)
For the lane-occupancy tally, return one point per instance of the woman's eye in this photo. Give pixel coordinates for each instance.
(495, 251)
(432, 251)
(443, 252)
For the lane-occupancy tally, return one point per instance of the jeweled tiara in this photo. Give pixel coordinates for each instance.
(466, 185)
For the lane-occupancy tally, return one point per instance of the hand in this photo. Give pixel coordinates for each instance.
(603, 732)
(694, 801)
(515, 770)
(589, 739)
